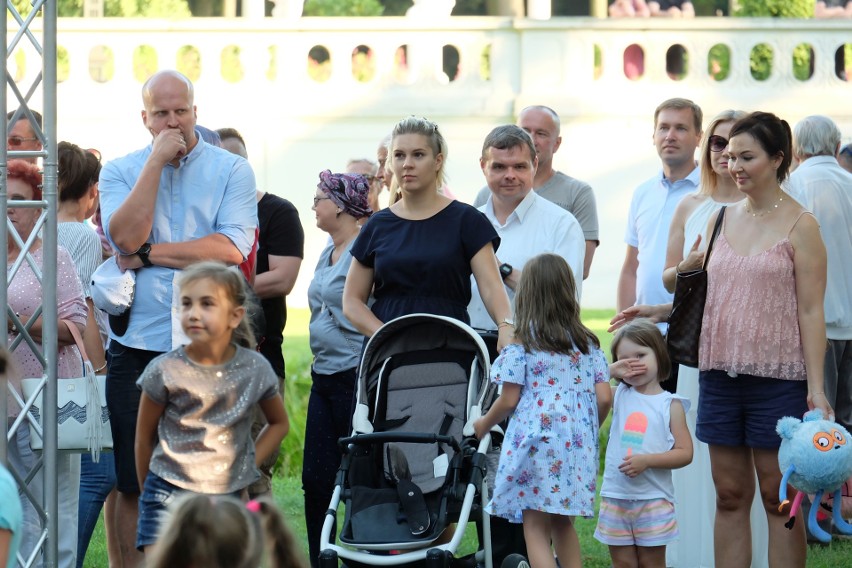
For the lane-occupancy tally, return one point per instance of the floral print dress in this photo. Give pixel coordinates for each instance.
(549, 460)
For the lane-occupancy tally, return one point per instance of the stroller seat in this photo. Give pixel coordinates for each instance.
(407, 470)
(396, 487)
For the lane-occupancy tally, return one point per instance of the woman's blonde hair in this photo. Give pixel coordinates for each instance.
(427, 128)
(644, 333)
(547, 313)
(709, 181)
(235, 287)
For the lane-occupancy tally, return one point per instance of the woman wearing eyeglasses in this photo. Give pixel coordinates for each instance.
(340, 202)
(25, 298)
(694, 489)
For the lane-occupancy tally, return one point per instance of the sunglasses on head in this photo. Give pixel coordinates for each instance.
(14, 141)
(718, 143)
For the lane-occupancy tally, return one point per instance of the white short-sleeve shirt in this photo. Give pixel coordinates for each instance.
(651, 212)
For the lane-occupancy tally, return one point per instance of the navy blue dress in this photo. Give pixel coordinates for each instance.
(423, 266)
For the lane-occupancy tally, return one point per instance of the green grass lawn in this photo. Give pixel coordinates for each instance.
(287, 485)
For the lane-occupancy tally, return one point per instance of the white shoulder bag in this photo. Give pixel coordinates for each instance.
(81, 408)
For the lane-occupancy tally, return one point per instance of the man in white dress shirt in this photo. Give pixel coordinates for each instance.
(526, 223)
(825, 188)
(575, 196)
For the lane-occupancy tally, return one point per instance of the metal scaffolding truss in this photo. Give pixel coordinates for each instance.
(40, 479)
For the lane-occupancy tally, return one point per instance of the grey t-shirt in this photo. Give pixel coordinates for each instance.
(205, 441)
(572, 195)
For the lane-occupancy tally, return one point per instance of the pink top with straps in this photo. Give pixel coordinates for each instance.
(750, 323)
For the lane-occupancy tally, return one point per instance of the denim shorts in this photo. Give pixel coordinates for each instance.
(154, 504)
(156, 497)
(122, 394)
(744, 410)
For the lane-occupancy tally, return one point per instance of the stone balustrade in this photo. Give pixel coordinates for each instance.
(309, 94)
(495, 63)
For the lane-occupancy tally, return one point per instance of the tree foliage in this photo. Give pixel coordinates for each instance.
(117, 8)
(343, 8)
(775, 8)
(710, 7)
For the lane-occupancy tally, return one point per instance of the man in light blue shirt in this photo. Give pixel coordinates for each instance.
(677, 132)
(164, 207)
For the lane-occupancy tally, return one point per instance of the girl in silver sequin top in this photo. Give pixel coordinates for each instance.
(194, 426)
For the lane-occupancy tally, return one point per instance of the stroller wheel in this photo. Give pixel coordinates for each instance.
(437, 558)
(515, 561)
(328, 559)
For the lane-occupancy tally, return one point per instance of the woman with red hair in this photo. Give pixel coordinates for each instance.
(25, 297)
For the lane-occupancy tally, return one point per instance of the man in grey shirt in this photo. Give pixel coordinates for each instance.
(573, 195)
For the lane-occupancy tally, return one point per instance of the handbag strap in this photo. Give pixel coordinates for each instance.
(78, 339)
(717, 228)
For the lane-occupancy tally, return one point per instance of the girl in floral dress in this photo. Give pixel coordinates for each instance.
(555, 387)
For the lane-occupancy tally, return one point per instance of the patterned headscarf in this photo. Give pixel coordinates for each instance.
(347, 191)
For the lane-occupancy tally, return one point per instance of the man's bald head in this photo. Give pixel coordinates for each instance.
(167, 77)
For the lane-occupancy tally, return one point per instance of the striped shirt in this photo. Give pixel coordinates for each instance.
(84, 245)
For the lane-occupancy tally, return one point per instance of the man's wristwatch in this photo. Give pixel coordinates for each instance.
(143, 253)
(505, 270)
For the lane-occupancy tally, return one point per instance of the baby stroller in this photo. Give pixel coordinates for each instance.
(411, 466)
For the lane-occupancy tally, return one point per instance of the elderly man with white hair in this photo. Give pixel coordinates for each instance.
(825, 188)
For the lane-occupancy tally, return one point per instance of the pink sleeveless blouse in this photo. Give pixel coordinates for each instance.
(750, 324)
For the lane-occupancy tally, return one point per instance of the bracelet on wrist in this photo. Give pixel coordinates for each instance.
(101, 368)
(12, 327)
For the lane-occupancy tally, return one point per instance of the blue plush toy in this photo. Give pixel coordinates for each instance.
(816, 457)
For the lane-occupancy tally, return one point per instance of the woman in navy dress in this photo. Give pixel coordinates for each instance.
(417, 256)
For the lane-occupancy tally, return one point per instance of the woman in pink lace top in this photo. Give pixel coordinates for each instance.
(762, 339)
(25, 297)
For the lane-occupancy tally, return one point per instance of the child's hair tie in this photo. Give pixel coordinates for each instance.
(253, 506)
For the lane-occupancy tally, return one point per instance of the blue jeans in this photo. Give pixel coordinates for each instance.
(329, 418)
(155, 506)
(122, 394)
(97, 479)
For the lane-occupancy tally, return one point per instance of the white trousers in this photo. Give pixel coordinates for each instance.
(22, 459)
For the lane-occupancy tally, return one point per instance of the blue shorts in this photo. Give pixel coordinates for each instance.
(744, 410)
(154, 503)
(642, 522)
(156, 497)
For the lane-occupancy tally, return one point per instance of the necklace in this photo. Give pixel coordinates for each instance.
(762, 213)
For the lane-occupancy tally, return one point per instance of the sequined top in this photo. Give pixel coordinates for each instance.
(750, 323)
(25, 296)
(205, 442)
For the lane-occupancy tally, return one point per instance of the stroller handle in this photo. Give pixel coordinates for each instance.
(409, 437)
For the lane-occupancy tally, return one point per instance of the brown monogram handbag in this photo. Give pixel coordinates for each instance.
(688, 308)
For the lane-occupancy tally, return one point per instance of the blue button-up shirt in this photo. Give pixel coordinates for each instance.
(212, 191)
(651, 211)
